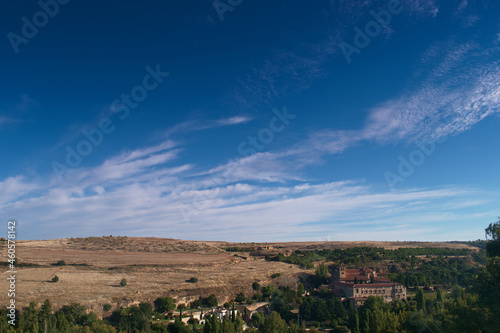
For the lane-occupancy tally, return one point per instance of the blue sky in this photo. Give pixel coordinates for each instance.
(249, 120)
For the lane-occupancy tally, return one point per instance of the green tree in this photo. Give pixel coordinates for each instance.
(493, 234)
(353, 319)
(212, 301)
(46, 309)
(487, 284)
(212, 325)
(258, 319)
(181, 307)
(268, 290)
(274, 324)
(306, 309)
(439, 296)
(320, 310)
(29, 321)
(256, 286)
(55, 278)
(179, 327)
(123, 282)
(240, 298)
(300, 289)
(164, 304)
(420, 297)
(106, 307)
(321, 274)
(146, 308)
(336, 308)
(467, 315)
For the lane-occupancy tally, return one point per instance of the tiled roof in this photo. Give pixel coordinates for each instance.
(382, 279)
(367, 285)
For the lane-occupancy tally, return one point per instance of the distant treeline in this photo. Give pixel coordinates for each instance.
(365, 255)
(236, 249)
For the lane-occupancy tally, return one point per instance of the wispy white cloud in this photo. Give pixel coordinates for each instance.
(198, 125)
(141, 192)
(456, 86)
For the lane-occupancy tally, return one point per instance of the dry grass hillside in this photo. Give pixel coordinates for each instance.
(153, 267)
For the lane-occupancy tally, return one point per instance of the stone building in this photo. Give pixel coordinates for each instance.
(367, 284)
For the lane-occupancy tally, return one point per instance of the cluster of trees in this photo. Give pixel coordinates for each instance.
(363, 255)
(209, 302)
(71, 318)
(235, 249)
(421, 266)
(454, 271)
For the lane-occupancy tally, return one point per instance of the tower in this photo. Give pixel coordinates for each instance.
(342, 271)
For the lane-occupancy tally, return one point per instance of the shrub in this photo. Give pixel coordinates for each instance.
(275, 275)
(192, 280)
(106, 307)
(55, 278)
(240, 298)
(123, 282)
(255, 286)
(61, 263)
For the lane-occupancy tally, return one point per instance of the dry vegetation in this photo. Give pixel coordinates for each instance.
(153, 267)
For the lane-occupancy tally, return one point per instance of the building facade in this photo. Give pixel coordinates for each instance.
(356, 285)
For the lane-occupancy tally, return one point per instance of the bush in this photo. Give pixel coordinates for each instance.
(255, 286)
(123, 282)
(106, 307)
(61, 263)
(275, 275)
(240, 298)
(55, 278)
(192, 280)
